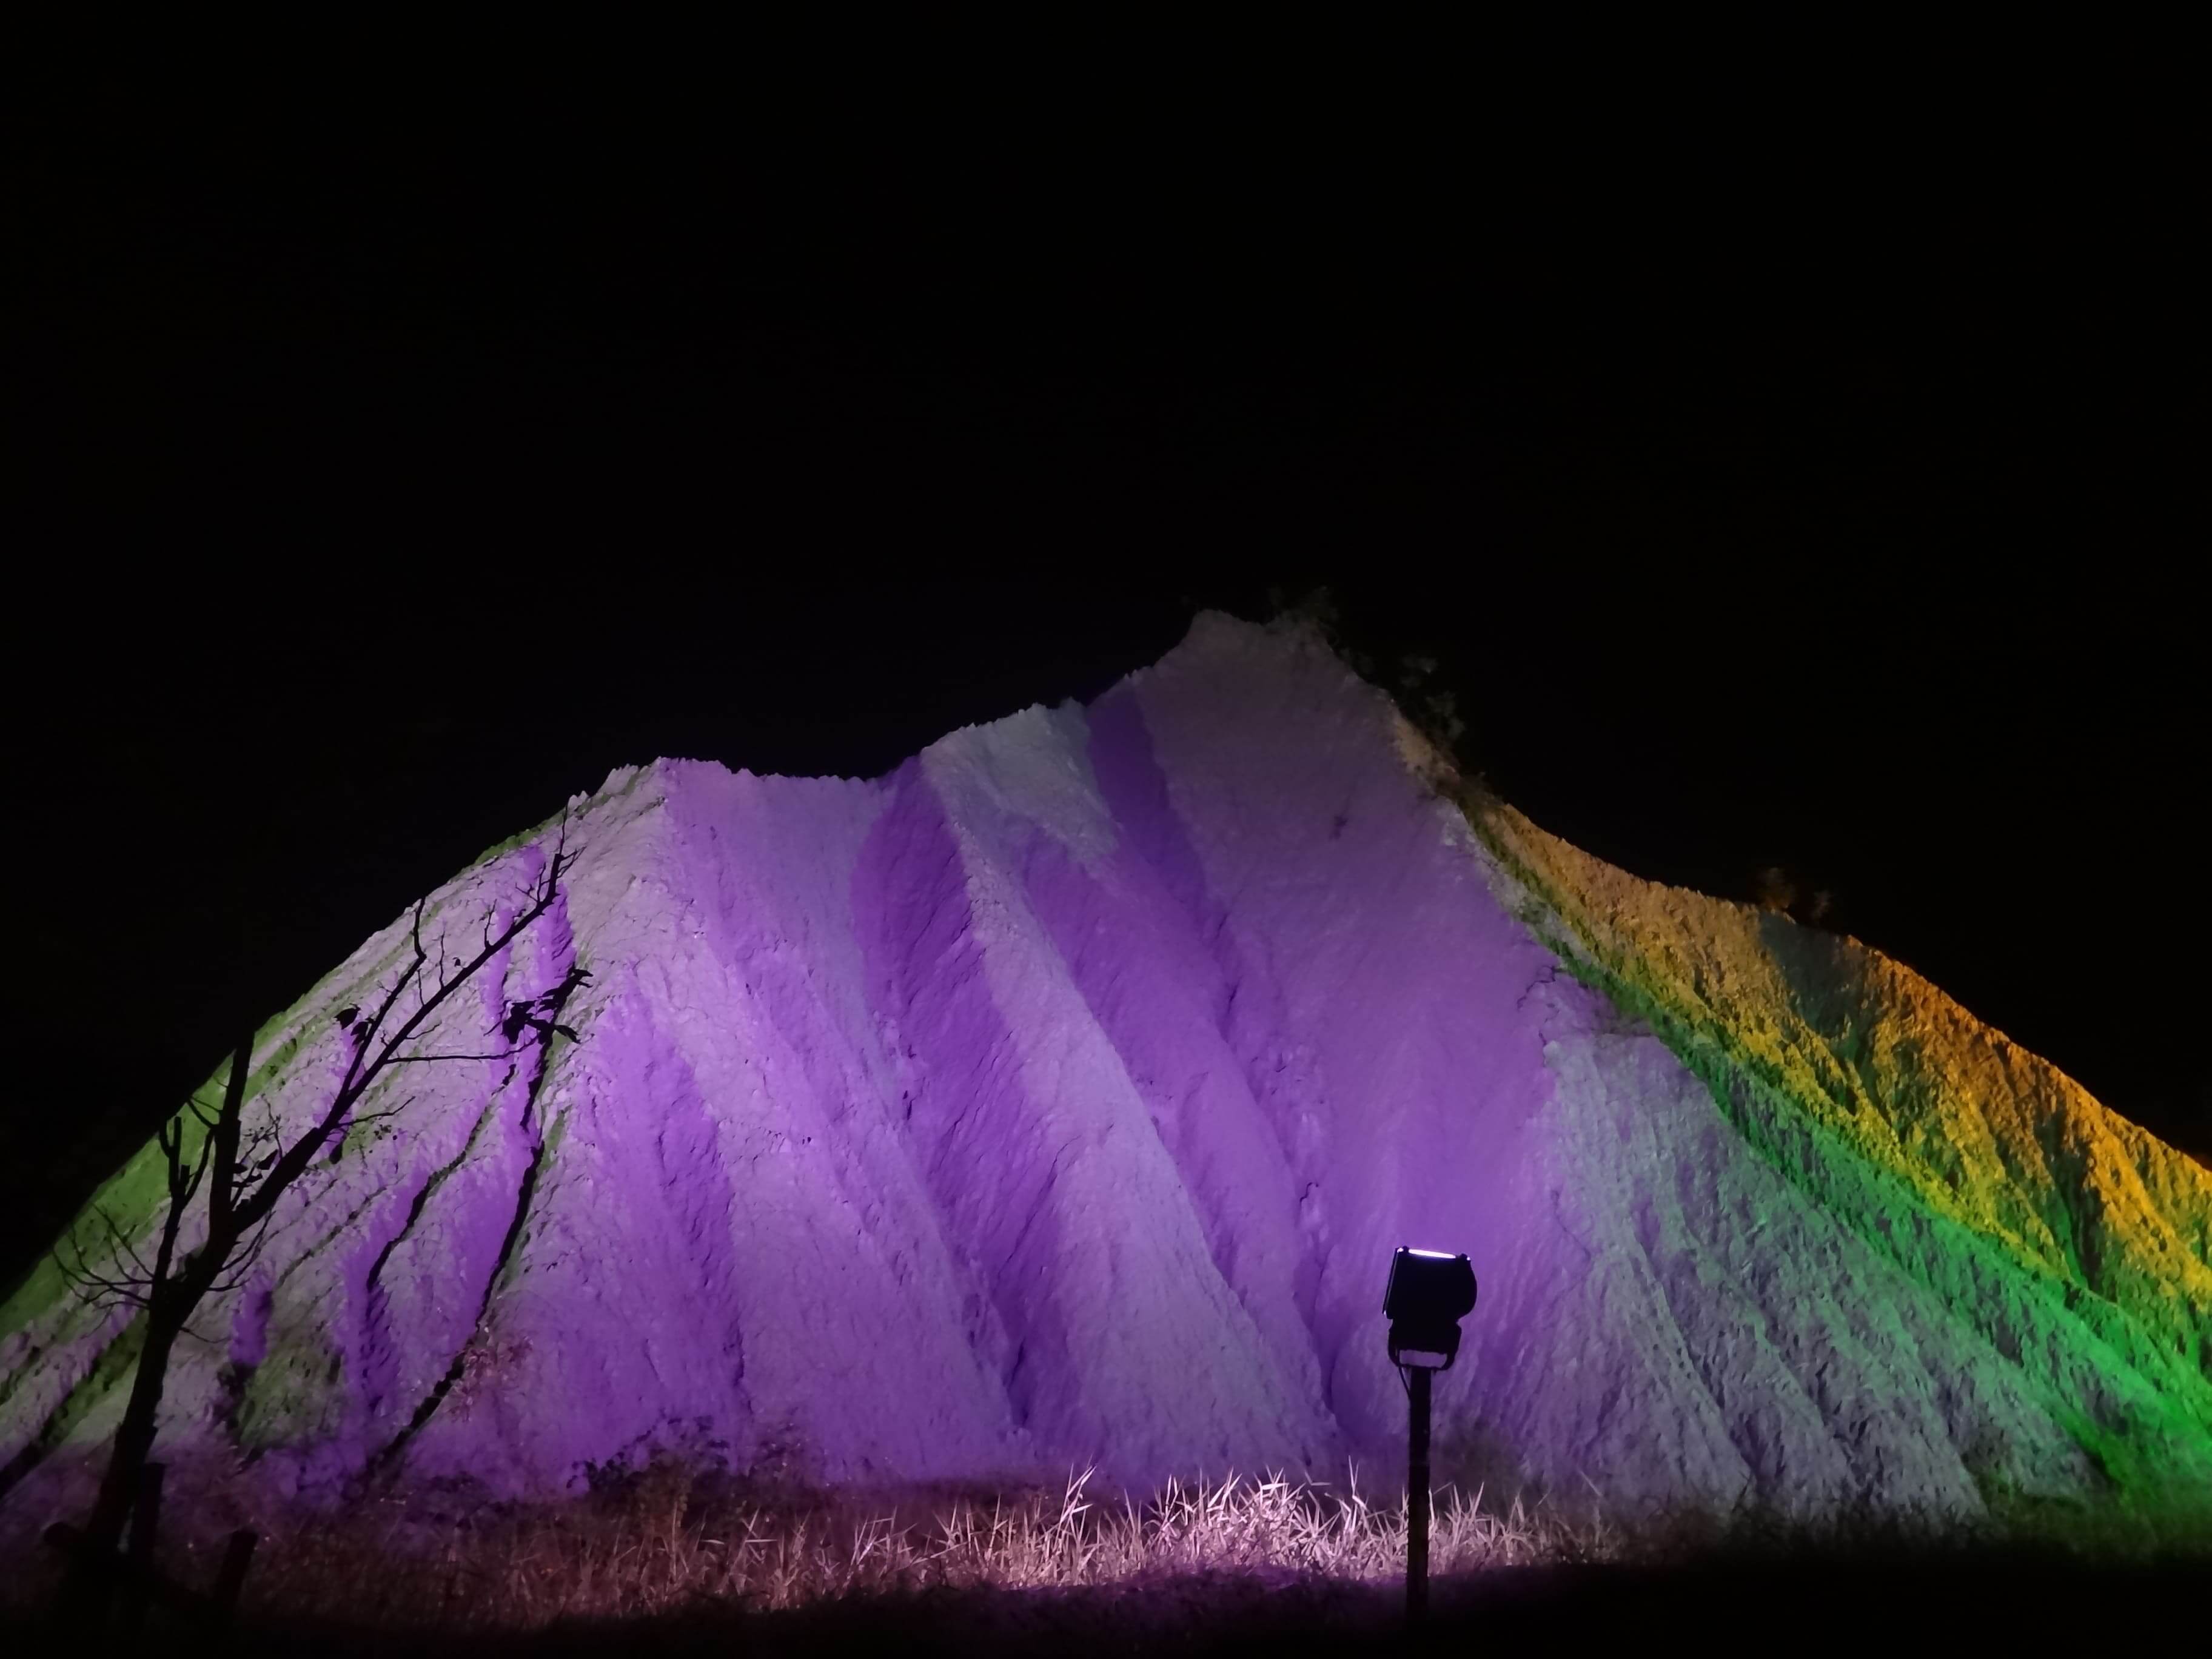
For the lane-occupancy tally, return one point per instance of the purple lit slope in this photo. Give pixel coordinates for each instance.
(1059, 1099)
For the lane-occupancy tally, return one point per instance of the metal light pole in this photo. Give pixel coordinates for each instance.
(1430, 1292)
(1417, 1496)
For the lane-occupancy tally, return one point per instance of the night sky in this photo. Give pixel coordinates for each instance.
(1816, 503)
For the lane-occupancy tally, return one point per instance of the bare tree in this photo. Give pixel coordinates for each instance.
(244, 1175)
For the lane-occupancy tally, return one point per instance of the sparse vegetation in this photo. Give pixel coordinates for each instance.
(665, 1542)
(663, 1546)
(669, 1549)
(1415, 678)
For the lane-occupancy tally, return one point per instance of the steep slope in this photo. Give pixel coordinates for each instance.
(2070, 1243)
(1059, 1098)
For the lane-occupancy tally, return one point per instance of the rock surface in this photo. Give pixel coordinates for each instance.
(1059, 1098)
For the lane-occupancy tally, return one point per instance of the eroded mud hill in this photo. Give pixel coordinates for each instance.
(1058, 1099)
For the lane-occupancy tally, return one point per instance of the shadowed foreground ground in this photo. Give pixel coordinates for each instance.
(2018, 1600)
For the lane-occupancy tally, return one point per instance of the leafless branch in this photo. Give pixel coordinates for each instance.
(239, 1267)
(424, 1060)
(361, 1118)
(123, 1242)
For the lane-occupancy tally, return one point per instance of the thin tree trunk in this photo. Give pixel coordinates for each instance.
(126, 1462)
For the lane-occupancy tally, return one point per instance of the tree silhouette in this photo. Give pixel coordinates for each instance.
(242, 1175)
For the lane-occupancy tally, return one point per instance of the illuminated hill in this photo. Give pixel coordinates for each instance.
(1059, 1098)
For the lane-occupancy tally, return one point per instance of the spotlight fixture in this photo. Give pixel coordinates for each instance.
(1430, 1292)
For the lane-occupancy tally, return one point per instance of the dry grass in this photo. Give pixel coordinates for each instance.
(671, 1560)
(666, 1546)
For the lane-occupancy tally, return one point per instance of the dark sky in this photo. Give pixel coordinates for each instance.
(1810, 498)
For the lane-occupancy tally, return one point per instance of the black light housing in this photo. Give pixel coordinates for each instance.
(1430, 1292)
